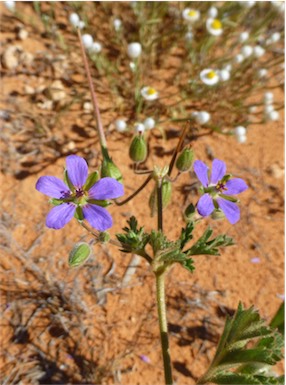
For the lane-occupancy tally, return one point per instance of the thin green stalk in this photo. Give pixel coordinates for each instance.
(161, 300)
(162, 315)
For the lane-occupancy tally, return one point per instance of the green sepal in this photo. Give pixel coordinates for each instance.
(229, 198)
(91, 180)
(99, 203)
(226, 178)
(79, 254)
(55, 201)
(79, 214)
(185, 160)
(166, 197)
(108, 168)
(68, 182)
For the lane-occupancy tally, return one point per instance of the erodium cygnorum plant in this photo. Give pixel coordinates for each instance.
(84, 197)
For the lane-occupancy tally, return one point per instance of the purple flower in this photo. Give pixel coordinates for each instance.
(218, 190)
(79, 197)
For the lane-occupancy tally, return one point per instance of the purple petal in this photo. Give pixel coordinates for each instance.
(201, 170)
(235, 186)
(106, 188)
(52, 187)
(77, 170)
(97, 216)
(60, 215)
(218, 170)
(230, 209)
(205, 205)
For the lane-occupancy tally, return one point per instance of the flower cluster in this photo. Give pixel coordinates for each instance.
(80, 196)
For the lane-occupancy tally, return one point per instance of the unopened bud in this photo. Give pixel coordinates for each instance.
(79, 254)
(166, 197)
(190, 212)
(217, 214)
(108, 168)
(138, 149)
(185, 160)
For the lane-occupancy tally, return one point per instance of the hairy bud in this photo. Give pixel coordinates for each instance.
(138, 149)
(185, 160)
(79, 254)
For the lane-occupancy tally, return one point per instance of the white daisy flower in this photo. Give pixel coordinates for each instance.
(214, 27)
(10, 5)
(243, 37)
(134, 50)
(96, 47)
(149, 123)
(191, 15)
(149, 93)
(120, 125)
(139, 128)
(238, 58)
(212, 12)
(258, 51)
(268, 97)
(87, 40)
(117, 23)
(224, 75)
(246, 51)
(201, 117)
(209, 76)
(262, 72)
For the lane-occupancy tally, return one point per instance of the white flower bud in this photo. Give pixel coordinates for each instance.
(149, 123)
(240, 130)
(262, 72)
(10, 5)
(238, 58)
(96, 47)
(134, 50)
(87, 41)
(212, 12)
(273, 115)
(246, 51)
(224, 75)
(268, 97)
(276, 36)
(117, 24)
(241, 138)
(139, 128)
(243, 37)
(201, 117)
(268, 108)
(120, 125)
(258, 51)
(81, 24)
(74, 19)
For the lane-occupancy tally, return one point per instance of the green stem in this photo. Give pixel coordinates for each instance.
(160, 205)
(162, 315)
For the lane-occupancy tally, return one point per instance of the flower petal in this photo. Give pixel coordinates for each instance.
(205, 205)
(235, 186)
(230, 209)
(201, 170)
(97, 216)
(77, 170)
(218, 170)
(52, 187)
(60, 215)
(106, 188)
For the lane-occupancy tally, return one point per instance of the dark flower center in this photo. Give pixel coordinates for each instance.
(220, 187)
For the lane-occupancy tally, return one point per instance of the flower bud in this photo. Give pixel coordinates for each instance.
(79, 254)
(138, 149)
(166, 197)
(190, 212)
(108, 169)
(217, 214)
(185, 160)
(87, 41)
(134, 50)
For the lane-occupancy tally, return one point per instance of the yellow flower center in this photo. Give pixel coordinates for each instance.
(211, 74)
(216, 24)
(151, 91)
(192, 13)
